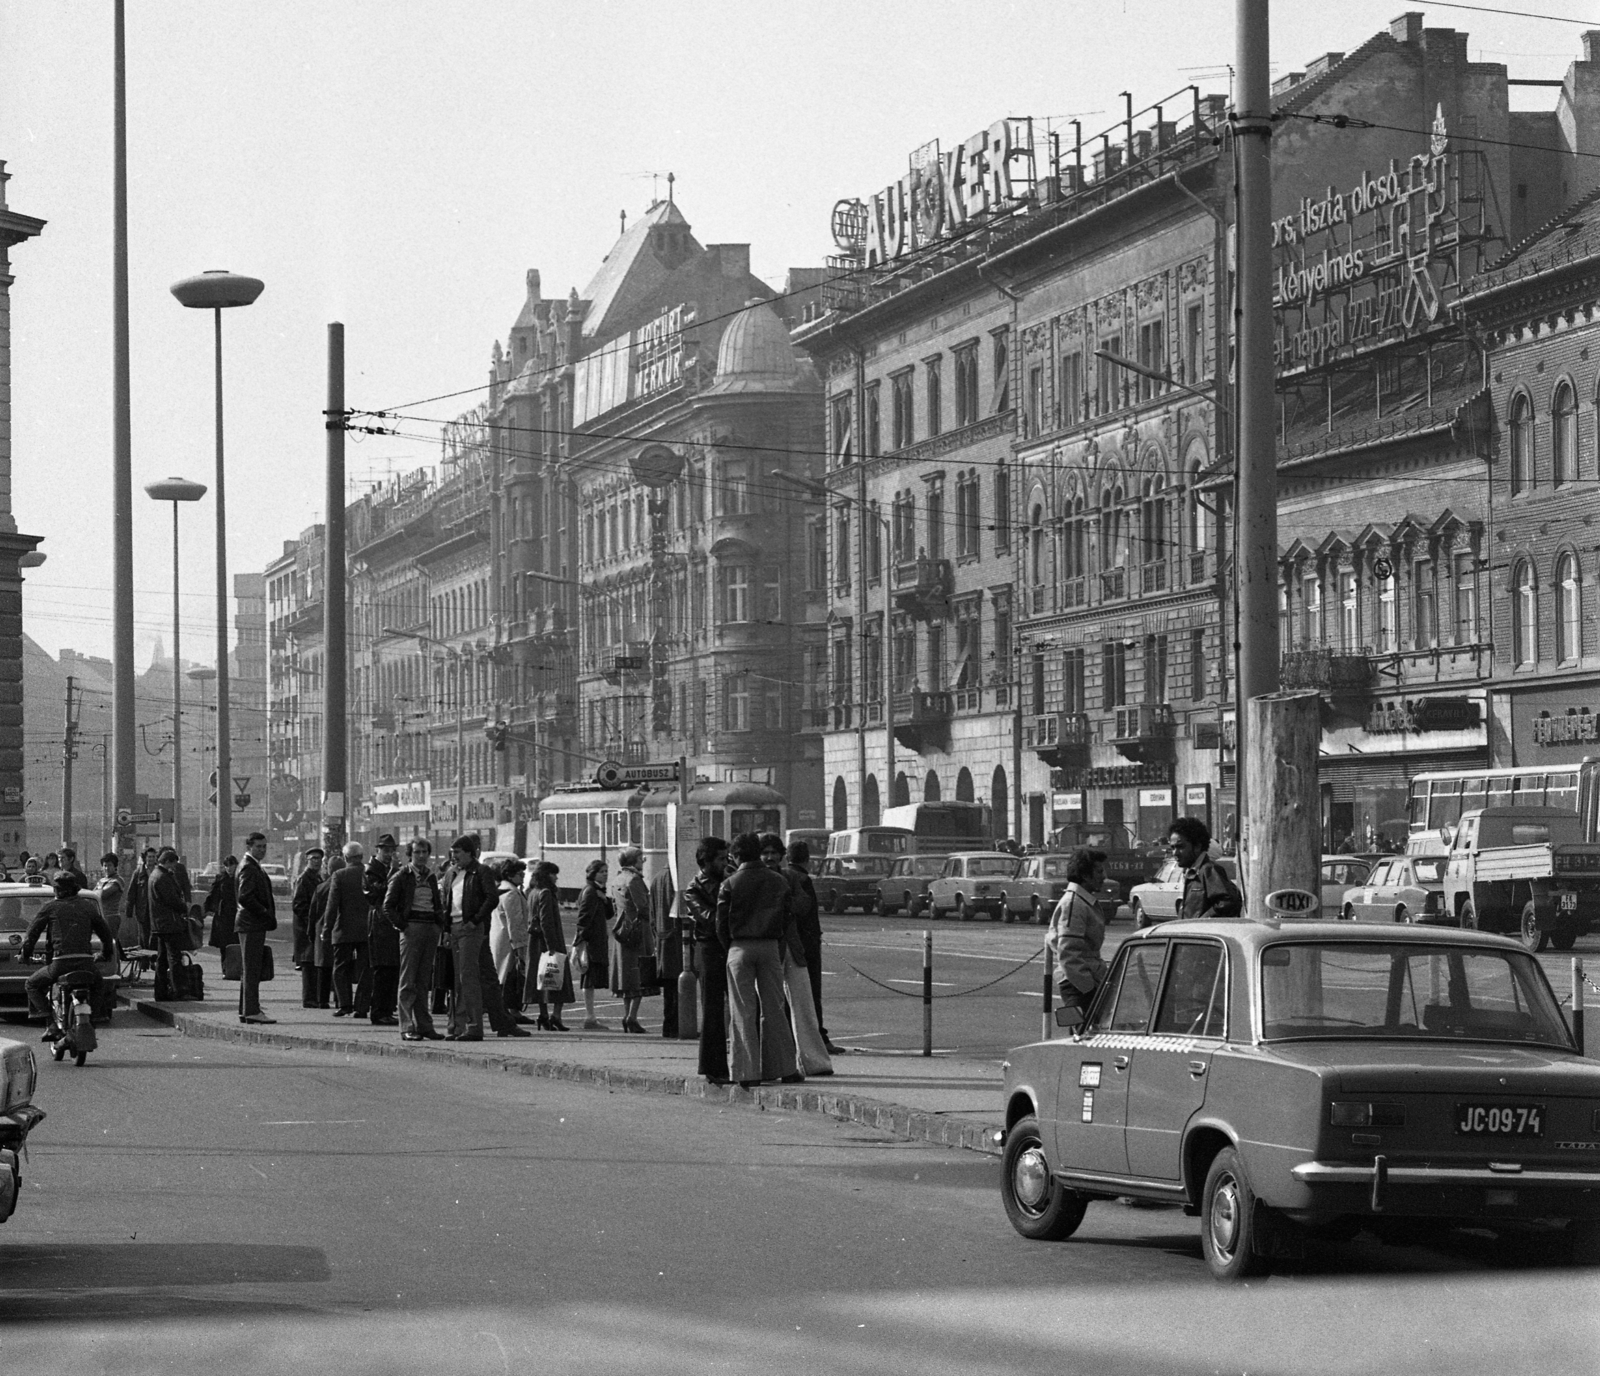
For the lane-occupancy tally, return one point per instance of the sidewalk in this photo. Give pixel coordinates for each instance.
(942, 1099)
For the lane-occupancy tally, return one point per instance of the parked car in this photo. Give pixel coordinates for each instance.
(19, 905)
(282, 885)
(19, 1078)
(1160, 899)
(1526, 870)
(1295, 1080)
(1039, 884)
(1340, 872)
(1400, 888)
(905, 887)
(850, 881)
(972, 882)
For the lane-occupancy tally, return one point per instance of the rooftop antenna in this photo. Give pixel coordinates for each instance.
(623, 215)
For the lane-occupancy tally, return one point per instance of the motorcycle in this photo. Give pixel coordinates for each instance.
(72, 1017)
(18, 1117)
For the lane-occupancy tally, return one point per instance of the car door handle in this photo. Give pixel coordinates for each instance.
(1197, 1068)
(1121, 1062)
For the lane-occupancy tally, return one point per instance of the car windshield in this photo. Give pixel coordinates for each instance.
(18, 910)
(1055, 868)
(1003, 865)
(1429, 871)
(1373, 989)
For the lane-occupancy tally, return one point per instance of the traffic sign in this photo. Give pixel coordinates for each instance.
(241, 801)
(124, 816)
(140, 817)
(609, 775)
(614, 775)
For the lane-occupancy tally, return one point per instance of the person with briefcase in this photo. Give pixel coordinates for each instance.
(169, 928)
(256, 916)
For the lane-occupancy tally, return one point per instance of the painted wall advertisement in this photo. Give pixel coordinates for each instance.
(631, 367)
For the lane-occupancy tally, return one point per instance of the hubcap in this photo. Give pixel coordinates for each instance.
(1030, 1179)
(1225, 1217)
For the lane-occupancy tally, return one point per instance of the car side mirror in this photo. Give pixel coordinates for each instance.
(1069, 1016)
(1447, 834)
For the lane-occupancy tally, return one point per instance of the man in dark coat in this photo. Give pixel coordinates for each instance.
(169, 925)
(347, 920)
(808, 923)
(415, 908)
(222, 904)
(471, 895)
(710, 957)
(256, 915)
(669, 948)
(305, 889)
(136, 901)
(383, 939)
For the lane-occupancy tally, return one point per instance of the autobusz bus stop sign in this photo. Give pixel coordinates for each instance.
(614, 775)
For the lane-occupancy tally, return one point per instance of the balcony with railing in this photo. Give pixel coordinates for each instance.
(923, 588)
(1329, 671)
(922, 719)
(1144, 732)
(1061, 739)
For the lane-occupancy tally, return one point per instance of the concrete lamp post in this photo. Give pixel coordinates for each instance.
(176, 490)
(202, 674)
(216, 291)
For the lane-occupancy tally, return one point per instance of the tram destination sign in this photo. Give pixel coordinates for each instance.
(1370, 263)
(611, 774)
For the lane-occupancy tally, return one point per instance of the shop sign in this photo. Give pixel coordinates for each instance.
(482, 809)
(1067, 802)
(410, 796)
(1197, 795)
(1155, 797)
(1368, 264)
(1574, 726)
(941, 194)
(1413, 715)
(1115, 775)
(631, 367)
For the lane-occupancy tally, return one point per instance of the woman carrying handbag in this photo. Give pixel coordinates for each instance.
(590, 945)
(632, 939)
(547, 939)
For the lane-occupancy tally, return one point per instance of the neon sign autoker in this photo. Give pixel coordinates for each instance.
(942, 193)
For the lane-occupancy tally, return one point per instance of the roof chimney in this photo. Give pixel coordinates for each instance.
(1591, 45)
(1407, 28)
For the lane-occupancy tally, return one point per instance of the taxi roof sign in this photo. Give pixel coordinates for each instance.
(1294, 903)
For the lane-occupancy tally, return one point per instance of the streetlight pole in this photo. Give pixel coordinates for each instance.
(217, 290)
(202, 675)
(176, 490)
(886, 642)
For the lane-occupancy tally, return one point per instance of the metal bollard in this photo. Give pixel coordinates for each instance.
(1577, 1003)
(1049, 996)
(688, 996)
(927, 993)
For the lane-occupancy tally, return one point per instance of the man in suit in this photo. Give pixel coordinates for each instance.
(471, 895)
(347, 920)
(256, 916)
(305, 889)
(136, 901)
(383, 939)
(414, 907)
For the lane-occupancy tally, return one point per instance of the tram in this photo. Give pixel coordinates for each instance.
(580, 825)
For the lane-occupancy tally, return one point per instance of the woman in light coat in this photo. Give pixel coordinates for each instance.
(545, 935)
(632, 901)
(589, 945)
(1077, 930)
(508, 940)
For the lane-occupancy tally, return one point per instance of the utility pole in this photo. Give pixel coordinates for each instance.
(335, 758)
(69, 752)
(122, 684)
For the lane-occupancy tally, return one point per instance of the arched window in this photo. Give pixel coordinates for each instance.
(964, 792)
(1569, 609)
(902, 790)
(1521, 445)
(1153, 531)
(841, 805)
(930, 787)
(869, 804)
(1524, 614)
(1036, 555)
(1563, 436)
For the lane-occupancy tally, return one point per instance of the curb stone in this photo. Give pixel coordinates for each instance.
(907, 1124)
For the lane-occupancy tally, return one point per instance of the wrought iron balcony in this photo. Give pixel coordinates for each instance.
(1329, 672)
(1061, 739)
(1144, 732)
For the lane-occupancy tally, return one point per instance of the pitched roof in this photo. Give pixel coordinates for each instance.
(631, 270)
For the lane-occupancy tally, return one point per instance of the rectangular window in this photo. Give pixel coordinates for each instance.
(969, 646)
(1035, 409)
(902, 433)
(1071, 400)
(967, 520)
(903, 528)
(872, 428)
(841, 669)
(935, 401)
(843, 555)
(1349, 622)
(936, 519)
(1109, 377)
(842, 439)
(872, 532)
(1002, 372)
(1194, 343)
(1113, 674)
(1198, 687)
(1038, 684)
(1152, 355)
(905, 653)
(936, 664)
(1155, 668)
(1466, 600)
(736, 703)
(1002, 633)
(1072, 681)
(872, 658)
(1311, 610)
(966, 370)
(816, 555)
(1425, 604)
(1002, 510)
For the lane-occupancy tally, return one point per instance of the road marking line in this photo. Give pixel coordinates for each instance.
(937, 984)
(309, 1122)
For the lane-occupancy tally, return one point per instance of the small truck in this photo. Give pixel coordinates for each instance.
(1525, 871)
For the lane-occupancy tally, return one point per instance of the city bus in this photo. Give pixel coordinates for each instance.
(944, 827)
(579, 825)
(1439, 797)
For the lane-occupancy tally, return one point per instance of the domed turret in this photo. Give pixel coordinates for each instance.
(755, 354)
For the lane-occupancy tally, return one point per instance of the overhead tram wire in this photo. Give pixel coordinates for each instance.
(1516, 14)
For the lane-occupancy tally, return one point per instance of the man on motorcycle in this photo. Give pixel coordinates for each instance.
(72, 922)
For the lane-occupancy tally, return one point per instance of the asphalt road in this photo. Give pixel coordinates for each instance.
(984, 1004)
(201, 1207)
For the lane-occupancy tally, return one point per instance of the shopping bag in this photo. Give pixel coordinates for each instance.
(552, 970)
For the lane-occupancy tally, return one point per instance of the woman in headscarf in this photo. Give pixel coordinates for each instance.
(545, 936)
(508, 939)
(589, 945)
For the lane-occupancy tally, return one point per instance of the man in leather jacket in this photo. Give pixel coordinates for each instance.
(471, 895)
(72, 921)
(414, 907)
(710, 957)
(312, 993)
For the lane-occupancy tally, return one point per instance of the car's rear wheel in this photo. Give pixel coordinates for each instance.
(1400, 914)
(831, 903)
(1038, 912)
(1349, 913)
(1039, 1207)
(1469, 917)
(1532, 936)
(1227, 1220)
(1583, 1238)
(965, 909)
(1137, 911)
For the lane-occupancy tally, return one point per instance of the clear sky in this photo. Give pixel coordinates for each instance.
(399, 164)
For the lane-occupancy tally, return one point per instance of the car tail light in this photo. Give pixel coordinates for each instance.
(1352, 1115)
(1433, 902)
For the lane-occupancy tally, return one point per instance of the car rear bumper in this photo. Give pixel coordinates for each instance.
(1449, 1191)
